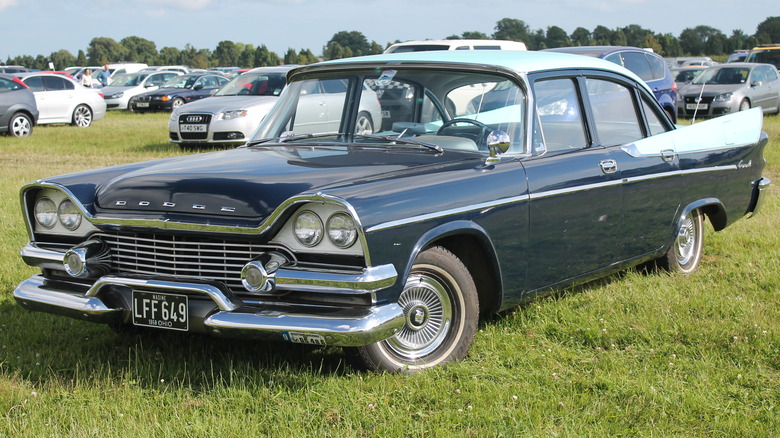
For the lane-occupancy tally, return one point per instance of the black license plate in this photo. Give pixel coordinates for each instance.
(159, 310)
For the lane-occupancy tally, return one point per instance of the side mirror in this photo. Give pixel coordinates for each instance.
(755, 84)
(198, 87)
(498, 142)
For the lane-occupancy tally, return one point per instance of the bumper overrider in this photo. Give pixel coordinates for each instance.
(214, 309)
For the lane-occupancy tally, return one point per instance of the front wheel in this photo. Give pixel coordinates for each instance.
(82, 116)
(20, 126)
(177, 103)
(744, 105)
(685, 254)
(441, 309)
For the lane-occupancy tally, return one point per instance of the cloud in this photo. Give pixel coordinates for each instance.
(5, 4)
(191, 5)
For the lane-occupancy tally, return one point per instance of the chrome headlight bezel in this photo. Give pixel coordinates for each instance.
(45, 212)
(341, 229)
(66, 216)
(324, 211)
(308, 228)
(69, 215)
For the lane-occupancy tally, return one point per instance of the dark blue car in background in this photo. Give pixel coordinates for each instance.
(649, 66)
(178, 91)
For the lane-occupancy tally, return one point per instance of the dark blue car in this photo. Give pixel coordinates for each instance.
(647, 65)
(395, 242)
(177, 91)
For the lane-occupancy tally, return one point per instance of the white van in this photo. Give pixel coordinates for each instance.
(428, 45)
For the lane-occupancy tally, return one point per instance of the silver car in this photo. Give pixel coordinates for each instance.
(730, 88)
(233, 113)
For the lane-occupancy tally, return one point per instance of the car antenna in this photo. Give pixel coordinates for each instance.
(698, 101)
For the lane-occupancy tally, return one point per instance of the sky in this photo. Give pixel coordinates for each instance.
(41, 27)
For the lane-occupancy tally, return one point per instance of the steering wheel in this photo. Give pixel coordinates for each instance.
(481, 138)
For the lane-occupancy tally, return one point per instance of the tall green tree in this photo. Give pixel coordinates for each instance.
(226, 54)
(170, 56)
(768, 31)
(81, 58)
(581, 37)
(103, 50)
(355, 41)
(139, 49)
(265, 57)
(512, 29)
(557, 37)
(603, 36)
(62, 59)
(474, 35)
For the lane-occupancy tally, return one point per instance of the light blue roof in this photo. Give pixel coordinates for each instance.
(519, 61)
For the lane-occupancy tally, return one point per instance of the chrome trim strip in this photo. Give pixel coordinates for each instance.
(576, 189)
(450, 212)
(222, 300)
(371, 279)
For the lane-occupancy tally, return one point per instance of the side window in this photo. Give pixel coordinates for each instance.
(637, 63)
(56, 84)
(560, 116)
(771, 74)
(758, 76)
(656, 66)
(615, 57)
(334, 86)
(35, 83)
(653, 120)
(614, 112)
(9, 85)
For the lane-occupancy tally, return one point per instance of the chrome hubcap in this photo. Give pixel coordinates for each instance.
(686, 241)
(20, 127)
(83, 117)
(428, 311)
(363, 126)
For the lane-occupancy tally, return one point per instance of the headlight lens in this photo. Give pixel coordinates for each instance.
(308, 228)
(70, 216)
(228, 115)
(342, 231)
(116, 95)
(725, 97)
(46, 213)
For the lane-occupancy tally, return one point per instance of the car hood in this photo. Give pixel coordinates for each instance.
(217, 104)
(107, 91)
(253, 182)
(710, 90)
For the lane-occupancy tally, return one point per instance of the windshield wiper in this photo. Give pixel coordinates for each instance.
(394, 139)
(285, 137)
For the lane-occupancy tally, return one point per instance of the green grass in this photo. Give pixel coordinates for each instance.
(630, 355)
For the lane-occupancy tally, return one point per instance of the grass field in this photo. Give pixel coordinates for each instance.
(631, 355)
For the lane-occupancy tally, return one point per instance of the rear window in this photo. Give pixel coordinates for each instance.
(9, 85)
(637, 63)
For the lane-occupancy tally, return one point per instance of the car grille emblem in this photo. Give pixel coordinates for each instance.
(194, 119)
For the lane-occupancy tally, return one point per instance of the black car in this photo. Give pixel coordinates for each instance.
(18, 110)
(178, 91)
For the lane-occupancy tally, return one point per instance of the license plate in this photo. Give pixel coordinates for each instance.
(192, 128)
(142, 104)
(385, 114)
(693, 106)
(303, 338)
(153, 309)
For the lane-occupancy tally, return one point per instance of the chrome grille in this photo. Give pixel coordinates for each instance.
(183, 256)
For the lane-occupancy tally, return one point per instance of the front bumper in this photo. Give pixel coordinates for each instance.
(214, 312)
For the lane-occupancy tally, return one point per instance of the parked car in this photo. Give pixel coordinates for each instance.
(684, 75)
(178, 91)
(395, 242)
(123, 87)
(738, 56)
(733, 87)
(63, 100)
(183, 69)
(12, 69)
(649, 66)
(232, 113)
(434, 45)
(767, 54)
(18, 110)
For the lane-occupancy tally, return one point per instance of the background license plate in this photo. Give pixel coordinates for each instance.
(152, 309)
(142, 104)
(192, 128)
(692, 106)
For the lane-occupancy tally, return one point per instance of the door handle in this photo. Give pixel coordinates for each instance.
(668, 155)
(608, 166)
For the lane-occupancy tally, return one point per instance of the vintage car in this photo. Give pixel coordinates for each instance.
(395, 242)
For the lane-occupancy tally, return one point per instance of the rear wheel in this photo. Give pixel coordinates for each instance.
(364, 125)
(82, 116)
(685, 254)
(441, 309)
(20, 125)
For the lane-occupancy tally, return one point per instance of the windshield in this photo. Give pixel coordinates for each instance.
(427, 107)
(129, 80)
(183, 82)
(254, 84)
(723, 76)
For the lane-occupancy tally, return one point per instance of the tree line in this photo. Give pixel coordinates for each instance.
(696, 41)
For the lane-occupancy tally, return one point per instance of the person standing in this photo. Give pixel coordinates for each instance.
(103, 76)
(86, 79)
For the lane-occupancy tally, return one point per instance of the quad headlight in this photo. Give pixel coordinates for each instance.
(322, 227)
(48, 213)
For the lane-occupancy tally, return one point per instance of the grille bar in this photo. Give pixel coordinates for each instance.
(183, 256)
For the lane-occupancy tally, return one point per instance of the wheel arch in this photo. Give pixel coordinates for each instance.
(471, 244)
(712, 208)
